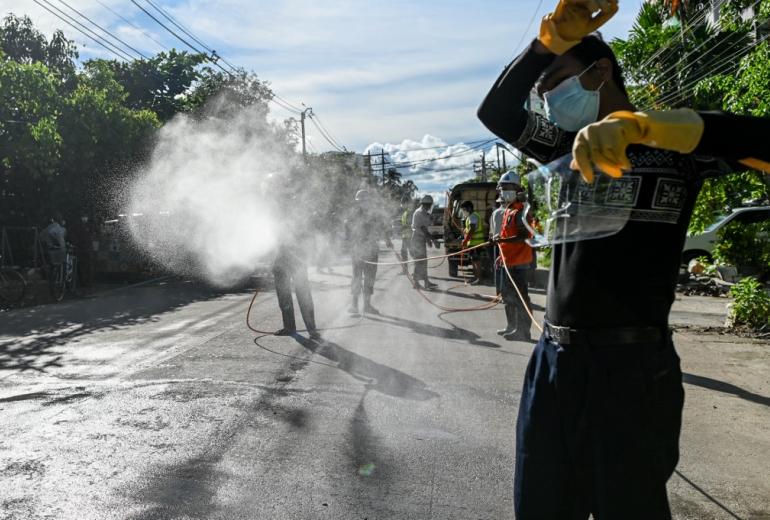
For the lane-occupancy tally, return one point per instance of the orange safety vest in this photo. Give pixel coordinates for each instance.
(516, 253)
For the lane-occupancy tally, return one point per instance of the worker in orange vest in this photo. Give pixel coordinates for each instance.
(516, 255)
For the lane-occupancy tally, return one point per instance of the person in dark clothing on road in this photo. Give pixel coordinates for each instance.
(363, 230)
(290, 268)
(601, 407)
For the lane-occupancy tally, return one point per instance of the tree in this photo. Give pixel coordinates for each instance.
(22, 43)
(161, 83)
(30, 142)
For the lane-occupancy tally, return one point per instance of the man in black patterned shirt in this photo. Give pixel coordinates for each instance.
(600, 412)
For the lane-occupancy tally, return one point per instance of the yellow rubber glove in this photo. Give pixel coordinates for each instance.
(756, 164)
(572, 20)
(604, 143)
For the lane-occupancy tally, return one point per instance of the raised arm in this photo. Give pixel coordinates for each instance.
(740, 140)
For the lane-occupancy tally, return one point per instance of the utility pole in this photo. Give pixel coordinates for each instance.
(304, 113)
(504, 149)
(382, 164)
(483, 166)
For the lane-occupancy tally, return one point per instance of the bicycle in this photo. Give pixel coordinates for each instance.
(13, 286)
(62, 276)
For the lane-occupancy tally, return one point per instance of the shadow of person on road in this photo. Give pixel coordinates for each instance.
(377, 377)
(727, 388)
(455, 332)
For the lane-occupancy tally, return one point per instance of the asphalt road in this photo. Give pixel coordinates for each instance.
(157, 402)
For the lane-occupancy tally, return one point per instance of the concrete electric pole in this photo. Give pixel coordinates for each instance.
(304, 114)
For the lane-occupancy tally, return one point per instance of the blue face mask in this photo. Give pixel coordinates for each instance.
(571, 107)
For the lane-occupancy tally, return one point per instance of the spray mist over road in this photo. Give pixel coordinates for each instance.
(210, 198)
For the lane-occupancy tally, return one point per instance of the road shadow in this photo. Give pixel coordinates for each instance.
(33, 334)
(725, 388)
(708, 496)
(455, 332)
(377, 377)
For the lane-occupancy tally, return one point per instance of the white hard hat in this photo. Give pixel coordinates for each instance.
(362, 195)
(509, 177)
(426, 199)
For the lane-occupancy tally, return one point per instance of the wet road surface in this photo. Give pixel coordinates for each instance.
(157, 402)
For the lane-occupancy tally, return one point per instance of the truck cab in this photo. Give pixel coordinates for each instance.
(482, 195)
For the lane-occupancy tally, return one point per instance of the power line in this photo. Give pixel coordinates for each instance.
(276, 99)
(529, 25)
(447, 145)
(293, 106)
(104, 30)
(719, 66)
(451, 156)
(94, 36)
(187, 32)
(131, 23)
(180, 38)
(664, 75)
(679, 36)
(119, 54)
(323, 134)
(326, 130)
(723, 66)
(283, 105)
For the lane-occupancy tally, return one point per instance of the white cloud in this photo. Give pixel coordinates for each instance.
(434, 165)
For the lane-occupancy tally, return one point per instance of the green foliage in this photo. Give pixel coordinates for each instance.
(744, 245)
(29, 110)
(22, 43)
(160, 84)
(720, 194)
(752, 304)
(68, 134)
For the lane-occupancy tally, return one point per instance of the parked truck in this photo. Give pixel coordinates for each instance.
(482, 195)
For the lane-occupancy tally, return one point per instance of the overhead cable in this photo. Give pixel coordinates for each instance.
(187, 32)
(120, 55)
(129, 22)
(326, 130)
(722, 67)
(678, 37)
(665, 75)
(104, 30)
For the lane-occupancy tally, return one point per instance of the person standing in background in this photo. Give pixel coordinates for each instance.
(421, 238)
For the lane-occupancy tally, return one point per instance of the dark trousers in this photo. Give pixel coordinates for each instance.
(405, 248)
(514, 307)
(364, 274)
(598, 432)
(289, 268)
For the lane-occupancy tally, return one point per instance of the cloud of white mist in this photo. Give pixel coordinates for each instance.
(209, 200)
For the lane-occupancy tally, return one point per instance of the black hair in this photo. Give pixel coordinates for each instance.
(591, 49)
(467, 204)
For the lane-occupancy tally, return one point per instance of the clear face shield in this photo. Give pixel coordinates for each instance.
(562, 208)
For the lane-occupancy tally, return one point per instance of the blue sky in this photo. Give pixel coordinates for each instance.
(400, 73)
